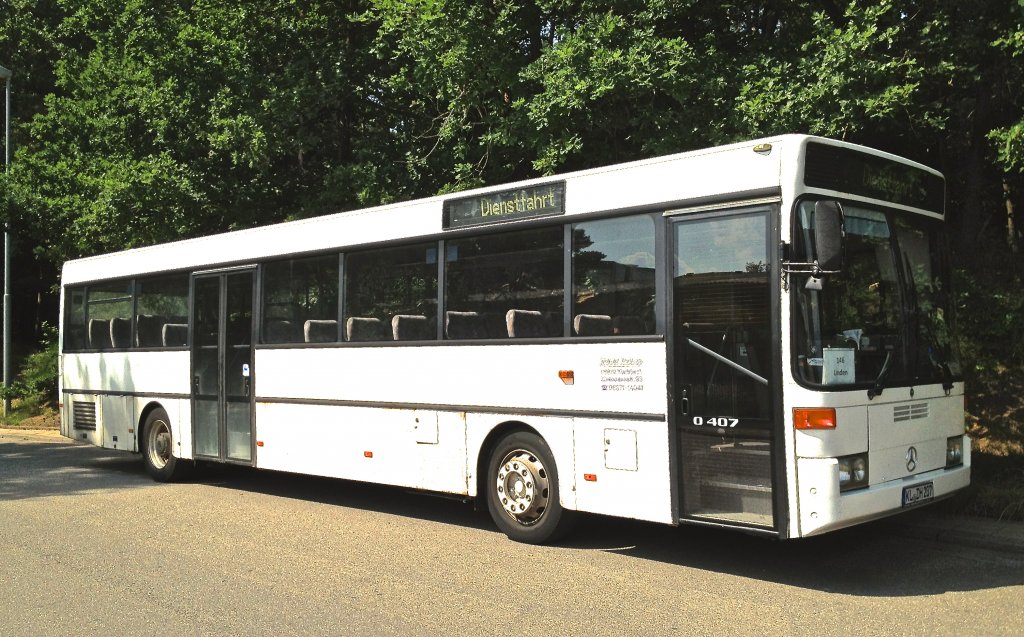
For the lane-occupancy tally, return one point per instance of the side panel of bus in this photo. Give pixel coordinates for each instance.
(398, 416)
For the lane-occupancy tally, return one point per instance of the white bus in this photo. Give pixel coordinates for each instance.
(757, 336)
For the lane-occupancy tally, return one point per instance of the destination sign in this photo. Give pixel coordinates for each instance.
(507, 205)
(861, 173)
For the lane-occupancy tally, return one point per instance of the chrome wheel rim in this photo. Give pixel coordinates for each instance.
(158, 444)
(523, 486)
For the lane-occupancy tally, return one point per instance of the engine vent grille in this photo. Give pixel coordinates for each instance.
(84, 416)
(902, 413)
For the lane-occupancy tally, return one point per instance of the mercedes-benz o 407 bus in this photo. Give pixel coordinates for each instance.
(757, 336)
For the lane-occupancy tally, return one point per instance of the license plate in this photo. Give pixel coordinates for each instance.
(918, 493)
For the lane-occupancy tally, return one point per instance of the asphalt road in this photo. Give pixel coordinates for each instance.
(91, 546)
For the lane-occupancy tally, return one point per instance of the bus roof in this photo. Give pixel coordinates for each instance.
(735, 170)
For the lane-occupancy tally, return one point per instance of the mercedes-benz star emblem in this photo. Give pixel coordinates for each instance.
(911, 459)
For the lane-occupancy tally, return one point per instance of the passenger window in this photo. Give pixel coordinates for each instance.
(613, 277)
(161, 312)
(109, 315)
(300, 300)
(74, 319)
(505, 286)
(391, 294)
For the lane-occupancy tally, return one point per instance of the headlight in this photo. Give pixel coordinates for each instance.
(954, 451)
(853, 472)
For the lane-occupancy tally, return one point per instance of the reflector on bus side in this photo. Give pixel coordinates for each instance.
(814, 418)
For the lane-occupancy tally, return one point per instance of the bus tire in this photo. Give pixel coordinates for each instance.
(157, 449)
(522, 490)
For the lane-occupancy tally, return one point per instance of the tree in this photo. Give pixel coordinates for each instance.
(145, 121)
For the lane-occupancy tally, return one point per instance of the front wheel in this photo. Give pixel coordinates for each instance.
(157, 445)
(522, 490)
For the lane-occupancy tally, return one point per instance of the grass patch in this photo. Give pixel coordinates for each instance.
(30, 416)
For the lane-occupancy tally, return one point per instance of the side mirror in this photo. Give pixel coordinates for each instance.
(829, 233)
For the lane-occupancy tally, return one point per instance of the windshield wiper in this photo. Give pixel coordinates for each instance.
(876, 389)
(947, 377)
(909, 312)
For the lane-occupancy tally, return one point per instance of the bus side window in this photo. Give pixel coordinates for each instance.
(161, 302)
(297, 292)
(75, 334)
(511, 284)
(109, 308)
(613, 276)
(390, 292)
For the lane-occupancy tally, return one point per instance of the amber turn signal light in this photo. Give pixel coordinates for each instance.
(814, 418)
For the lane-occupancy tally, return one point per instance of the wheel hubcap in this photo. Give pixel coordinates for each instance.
(159, 447)
(523, 487)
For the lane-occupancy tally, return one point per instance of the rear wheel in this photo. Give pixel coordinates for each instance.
(157, 449)
(522, 490)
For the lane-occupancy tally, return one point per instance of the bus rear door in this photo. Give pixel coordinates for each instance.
(222, 366)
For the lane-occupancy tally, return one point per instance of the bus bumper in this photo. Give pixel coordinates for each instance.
(823, 508)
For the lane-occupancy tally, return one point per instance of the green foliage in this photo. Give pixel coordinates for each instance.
(1009, 139)
(847, 78)
(176, 119)
(36, 385)
(139, 122)
(612, 88)
(991, 321)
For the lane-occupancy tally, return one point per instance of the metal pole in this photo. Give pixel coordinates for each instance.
(6, 75)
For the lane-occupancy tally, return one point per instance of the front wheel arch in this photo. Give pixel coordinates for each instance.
(484, 456)
(522, 489)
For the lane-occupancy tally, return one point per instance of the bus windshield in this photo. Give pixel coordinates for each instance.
(887, 318)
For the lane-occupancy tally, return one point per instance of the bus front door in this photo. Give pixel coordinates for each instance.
(222, 366)
(721, 318)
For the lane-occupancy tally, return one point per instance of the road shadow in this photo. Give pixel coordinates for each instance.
(871, 560)
(39, 467)
(399, 501)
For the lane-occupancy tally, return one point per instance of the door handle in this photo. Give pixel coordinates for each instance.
(246, 378)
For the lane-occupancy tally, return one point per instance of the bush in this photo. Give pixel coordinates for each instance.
(991, 318)
(36, 385)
